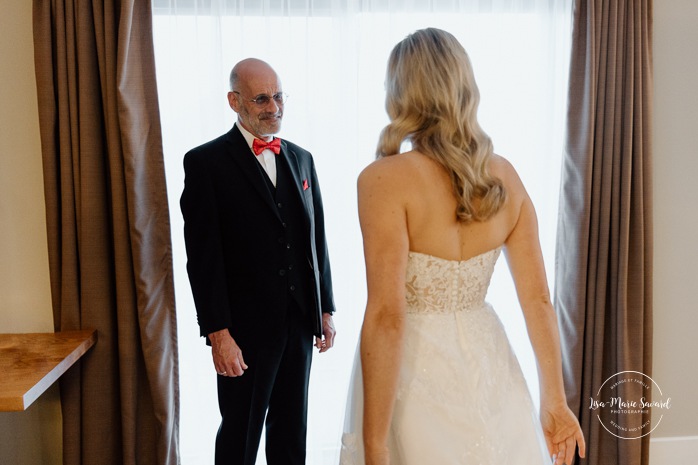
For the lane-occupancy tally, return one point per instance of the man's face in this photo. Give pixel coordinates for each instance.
(261, 119)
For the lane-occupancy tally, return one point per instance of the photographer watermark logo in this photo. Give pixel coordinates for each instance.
(623, 406)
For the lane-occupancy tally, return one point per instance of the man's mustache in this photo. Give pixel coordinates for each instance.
(278, 114)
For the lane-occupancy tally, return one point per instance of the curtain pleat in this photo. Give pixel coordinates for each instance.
(108, 229)
(604, 253)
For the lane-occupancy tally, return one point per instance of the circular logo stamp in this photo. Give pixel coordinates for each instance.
(625, 407)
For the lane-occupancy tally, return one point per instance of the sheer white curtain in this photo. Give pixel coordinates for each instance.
(331, 57)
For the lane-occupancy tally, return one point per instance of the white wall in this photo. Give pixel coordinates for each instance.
(675, 225)
(32, 437)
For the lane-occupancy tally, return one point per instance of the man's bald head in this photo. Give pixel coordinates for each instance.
(256, 96)
(249, 69)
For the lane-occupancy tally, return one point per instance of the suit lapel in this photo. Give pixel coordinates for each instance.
(238, 151)
(291, 160)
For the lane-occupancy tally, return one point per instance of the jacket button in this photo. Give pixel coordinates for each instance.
(292, 288)
(282, 272)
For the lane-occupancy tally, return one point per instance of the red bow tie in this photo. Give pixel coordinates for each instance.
(274, 145)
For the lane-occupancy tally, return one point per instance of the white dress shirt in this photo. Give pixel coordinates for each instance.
(267, 158)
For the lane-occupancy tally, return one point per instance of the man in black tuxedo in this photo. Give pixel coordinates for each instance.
(259, 271)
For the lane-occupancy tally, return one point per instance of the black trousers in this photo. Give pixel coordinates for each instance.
(272, 391)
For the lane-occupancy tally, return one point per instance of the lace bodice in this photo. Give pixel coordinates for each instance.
(437, 285)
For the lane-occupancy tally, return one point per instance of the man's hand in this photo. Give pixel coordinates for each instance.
(326, 342)
(227, 356)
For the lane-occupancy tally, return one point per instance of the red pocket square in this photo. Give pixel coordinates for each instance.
(305, 184)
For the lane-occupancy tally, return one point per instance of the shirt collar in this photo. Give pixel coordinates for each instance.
(249, 137)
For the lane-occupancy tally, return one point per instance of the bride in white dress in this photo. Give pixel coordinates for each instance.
(436, 381)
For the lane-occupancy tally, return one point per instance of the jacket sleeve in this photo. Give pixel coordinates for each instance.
(323, 259)
(204, 244)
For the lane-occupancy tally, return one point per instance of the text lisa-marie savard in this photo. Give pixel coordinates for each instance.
(618, 402)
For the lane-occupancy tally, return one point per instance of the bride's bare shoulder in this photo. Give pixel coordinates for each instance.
(501, 168)
(391, 171)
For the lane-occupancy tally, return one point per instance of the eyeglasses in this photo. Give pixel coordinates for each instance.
(263, 100)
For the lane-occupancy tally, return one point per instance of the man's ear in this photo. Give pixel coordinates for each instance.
(233, 101)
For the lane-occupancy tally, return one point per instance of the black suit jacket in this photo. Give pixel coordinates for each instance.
(232, 229)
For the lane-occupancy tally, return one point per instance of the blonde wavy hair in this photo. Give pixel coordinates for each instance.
(432, 101)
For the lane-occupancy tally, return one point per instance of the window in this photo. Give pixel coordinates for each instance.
(331, 57)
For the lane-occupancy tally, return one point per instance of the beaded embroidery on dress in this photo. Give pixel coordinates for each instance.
(462, 398)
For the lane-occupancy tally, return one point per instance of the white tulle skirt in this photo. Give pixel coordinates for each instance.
(462, 398)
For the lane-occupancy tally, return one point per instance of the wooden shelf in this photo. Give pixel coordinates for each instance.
(30, 363)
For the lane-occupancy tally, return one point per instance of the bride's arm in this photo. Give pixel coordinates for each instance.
(384, 229)
(525, 259)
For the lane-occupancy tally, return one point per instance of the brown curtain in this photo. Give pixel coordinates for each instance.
(108, 228)
(604, 252)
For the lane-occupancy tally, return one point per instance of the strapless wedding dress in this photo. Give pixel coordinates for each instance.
(462, 398)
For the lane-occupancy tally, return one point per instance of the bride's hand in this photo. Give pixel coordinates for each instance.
(562, 433)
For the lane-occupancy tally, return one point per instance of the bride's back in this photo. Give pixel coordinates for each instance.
(430, 206)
